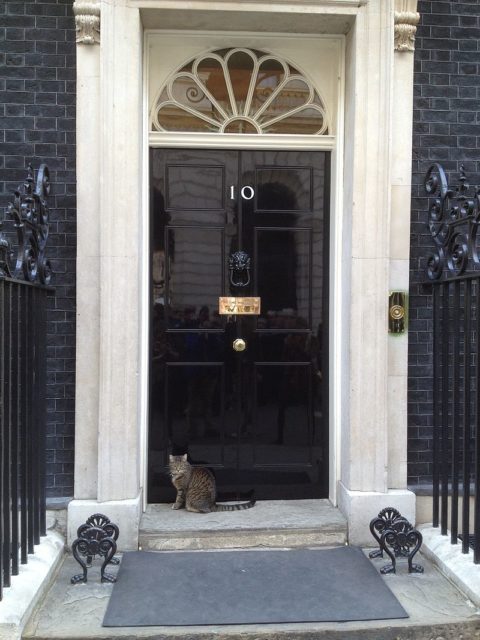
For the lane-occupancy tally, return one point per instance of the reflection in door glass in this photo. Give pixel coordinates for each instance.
(257, 417)
(284, 189)
(284, 278)
(195, 277)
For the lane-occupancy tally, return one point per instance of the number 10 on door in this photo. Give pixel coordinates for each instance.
(247, 192)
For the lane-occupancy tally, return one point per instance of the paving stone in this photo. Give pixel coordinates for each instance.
(437, 611)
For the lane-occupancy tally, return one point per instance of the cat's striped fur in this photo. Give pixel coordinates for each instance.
(196, 488)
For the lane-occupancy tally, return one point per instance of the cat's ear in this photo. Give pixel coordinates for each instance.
(170, 457)
(184, 457)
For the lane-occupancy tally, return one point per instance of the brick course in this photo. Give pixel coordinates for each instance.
(37, 124)
(446, 129)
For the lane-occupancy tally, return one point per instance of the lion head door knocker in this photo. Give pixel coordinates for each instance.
(239, 265)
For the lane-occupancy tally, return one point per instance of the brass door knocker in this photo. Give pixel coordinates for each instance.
(239, 265)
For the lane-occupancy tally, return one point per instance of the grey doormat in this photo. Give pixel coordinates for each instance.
(248, 587)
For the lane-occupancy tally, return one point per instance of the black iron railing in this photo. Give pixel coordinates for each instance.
(24, 277)
(453, 270)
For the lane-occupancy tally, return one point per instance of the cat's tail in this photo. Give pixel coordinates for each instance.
(235, 507)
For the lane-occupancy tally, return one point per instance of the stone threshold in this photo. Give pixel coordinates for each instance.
(270, 523)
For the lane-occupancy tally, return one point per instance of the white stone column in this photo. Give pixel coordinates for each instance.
(406, 18)
(120, 221)
(109, 479)
(364, 485)
(88, 249)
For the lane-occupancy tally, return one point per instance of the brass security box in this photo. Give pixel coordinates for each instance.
(235, 306)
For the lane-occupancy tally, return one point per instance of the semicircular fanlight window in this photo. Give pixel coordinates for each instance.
(239, 91)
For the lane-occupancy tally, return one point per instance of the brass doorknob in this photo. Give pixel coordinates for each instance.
(239, 345)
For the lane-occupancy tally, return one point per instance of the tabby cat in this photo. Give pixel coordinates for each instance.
(196, 488)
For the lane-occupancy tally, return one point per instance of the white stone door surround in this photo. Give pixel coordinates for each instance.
(370, 221)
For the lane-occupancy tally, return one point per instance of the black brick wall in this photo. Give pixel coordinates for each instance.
(446, 125)
(37, 124)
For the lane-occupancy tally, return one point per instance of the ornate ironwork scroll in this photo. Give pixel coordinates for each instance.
(5, 255)
(401, 541)
(97, 537)
(378, 525)
(397, 538)
(30, 217)
(453, 220)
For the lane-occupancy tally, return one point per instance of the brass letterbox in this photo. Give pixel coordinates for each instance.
(235, 306)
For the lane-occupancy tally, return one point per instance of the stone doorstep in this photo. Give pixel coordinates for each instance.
(240, 540)
(274, 523)
(436, 608)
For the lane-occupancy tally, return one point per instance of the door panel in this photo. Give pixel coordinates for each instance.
(258, 418)
(194, 282)
(184, 183)
(193, 405)
(283, 188)
(283, 275)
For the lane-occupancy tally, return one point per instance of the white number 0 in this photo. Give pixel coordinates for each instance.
(244, 193)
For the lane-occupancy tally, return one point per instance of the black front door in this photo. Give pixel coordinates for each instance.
(258, 417)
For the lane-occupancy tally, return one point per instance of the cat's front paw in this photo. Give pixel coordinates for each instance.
(177, 505)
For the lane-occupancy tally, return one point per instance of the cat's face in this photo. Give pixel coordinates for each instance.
(178, 465)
